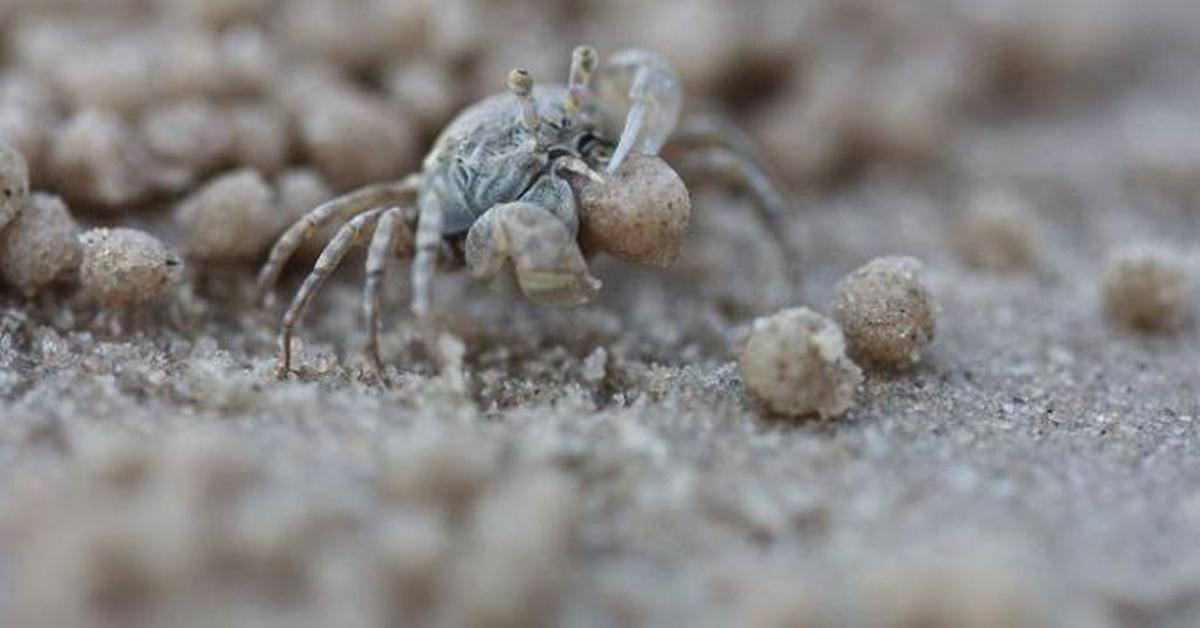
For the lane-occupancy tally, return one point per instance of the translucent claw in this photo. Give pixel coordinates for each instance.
(545, 257)
(640, 98)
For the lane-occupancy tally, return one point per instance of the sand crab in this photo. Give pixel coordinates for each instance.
(536, 179)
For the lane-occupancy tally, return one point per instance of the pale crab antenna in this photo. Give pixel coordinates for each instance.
(520, 83)
(583, 65)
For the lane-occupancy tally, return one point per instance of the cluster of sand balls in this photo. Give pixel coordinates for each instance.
(38, 244)
(192, 529)
(899, 98)
(1144, 287)
(41, 244)
(124, 104)
(800, 363)
(236, 216)
(120, 102)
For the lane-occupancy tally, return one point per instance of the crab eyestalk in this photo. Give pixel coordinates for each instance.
(583, 65)
(520, 83)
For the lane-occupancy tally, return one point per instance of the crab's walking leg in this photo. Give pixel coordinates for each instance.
(341, 208)
(715, 145)
(347, 236)
(378, 255)
(429, 241)
(729, 165)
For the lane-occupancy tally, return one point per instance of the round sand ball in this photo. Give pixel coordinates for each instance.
(250, 58)
(192, 133)
(28, 132)
(998, 233)
(1146, 288)
(302, 190)
(886, 312)
(426, 90)
(97, 160)
(14, 183)
(638, 214)
(232, 218)
(123, 267)
(40, 246)
(795, 362)
(356, 138)
(22, 90)
(262, 139)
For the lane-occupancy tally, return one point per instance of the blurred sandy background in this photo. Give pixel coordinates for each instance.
(1038, 468)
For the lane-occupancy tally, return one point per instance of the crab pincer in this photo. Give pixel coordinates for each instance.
(545, 256)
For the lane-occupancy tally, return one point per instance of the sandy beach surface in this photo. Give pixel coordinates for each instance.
(605, 466)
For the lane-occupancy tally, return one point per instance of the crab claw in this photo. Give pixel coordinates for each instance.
(545, 256)
(639, 96)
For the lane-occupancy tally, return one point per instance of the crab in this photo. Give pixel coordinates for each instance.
(537, 179)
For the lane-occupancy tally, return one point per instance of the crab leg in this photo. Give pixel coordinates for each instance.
(716, 144)
(341, 208)
(429, 241)
(712, 146)
(383, 244)
(347, 236)
(728, 164)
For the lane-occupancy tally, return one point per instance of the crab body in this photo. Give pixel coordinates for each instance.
(482, 159)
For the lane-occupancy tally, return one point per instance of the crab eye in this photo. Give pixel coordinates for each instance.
(593, 149)
(601, 153)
